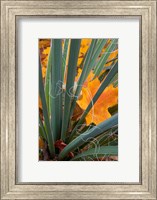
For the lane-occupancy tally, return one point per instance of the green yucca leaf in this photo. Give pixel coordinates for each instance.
(99, 41)
(102, 87)
(86, 66)
(104, 58)
(72, 64)
(83, 75)
(97, 49)
(111, 61)
(64, 57)
(107, 68)
(115, 78)
(101, 77)
(41, 134)
(111, 141)
(97, 152)
(104, 141)
(48, 80)
(45, 112)
(95, 142)
(106, 136)
(84, 137)
(50, 95)
(42, 129)
(115, 84)
(56, 88)
(96, 55)
(91, 57)
(100, 139)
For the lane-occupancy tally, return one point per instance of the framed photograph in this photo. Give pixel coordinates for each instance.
(78, 99)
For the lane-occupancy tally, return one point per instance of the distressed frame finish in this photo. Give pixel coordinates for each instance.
(10, 189)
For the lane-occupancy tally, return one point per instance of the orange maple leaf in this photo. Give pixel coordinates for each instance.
(88, 79)
(99, 111)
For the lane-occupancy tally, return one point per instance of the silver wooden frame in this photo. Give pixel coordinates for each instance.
(10, 10)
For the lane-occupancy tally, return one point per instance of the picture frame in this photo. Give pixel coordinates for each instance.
(10, 188)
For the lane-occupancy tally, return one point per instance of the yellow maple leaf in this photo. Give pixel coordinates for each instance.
(46, 51)
(44, 55)
(43, 43)
(99, 111)
(105, 47)
(43, 72)
(39, 102)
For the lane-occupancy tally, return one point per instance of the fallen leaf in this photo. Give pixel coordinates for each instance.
(43, 72)
(61, 145)
(41, 143)
(77, 113)
(40, 104)
(43, 43)
(99, 111)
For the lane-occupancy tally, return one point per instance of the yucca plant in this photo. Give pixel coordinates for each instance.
(78, 99)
